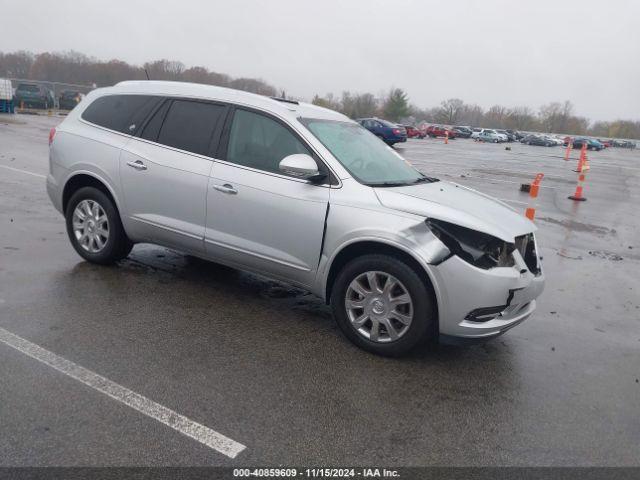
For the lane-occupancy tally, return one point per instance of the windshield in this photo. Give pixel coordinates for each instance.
(366, 158)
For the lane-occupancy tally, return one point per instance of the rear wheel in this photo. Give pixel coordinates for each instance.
(383, 306)
(94, 227)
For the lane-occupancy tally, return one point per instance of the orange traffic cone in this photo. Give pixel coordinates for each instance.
(583, 155)
(446, 137)
(534, 188)
(568, 152)
(577, 195)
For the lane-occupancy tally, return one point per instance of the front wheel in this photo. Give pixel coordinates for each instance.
(383, 306)
(94, 227)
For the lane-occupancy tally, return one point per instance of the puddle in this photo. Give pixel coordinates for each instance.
(579, 226)
(564, 254)
(614, 257)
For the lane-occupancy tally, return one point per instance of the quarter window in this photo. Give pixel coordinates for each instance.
(257, 141)
(122, 113)
(190, 125)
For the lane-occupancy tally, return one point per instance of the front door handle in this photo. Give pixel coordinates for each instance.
(138, 165)
(226, 188)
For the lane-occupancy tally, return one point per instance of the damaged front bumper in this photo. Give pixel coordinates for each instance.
(477, 304)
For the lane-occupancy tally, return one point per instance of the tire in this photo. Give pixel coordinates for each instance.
(423, 324)
(115, 244)
(495, 141)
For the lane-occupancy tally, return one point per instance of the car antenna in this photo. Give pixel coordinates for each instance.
(147, 74)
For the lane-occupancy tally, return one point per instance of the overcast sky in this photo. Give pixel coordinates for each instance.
(508, 52)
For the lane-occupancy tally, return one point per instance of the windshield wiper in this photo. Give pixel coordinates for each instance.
(426, 179)
(388, 184)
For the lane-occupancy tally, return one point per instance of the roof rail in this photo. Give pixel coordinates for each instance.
(285, 100)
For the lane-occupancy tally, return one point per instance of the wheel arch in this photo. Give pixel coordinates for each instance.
(362, 247)
(86, 179)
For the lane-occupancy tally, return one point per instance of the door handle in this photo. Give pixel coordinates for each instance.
(226, 188)
(138, 165)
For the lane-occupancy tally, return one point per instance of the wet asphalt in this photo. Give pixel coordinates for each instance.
(264, 363)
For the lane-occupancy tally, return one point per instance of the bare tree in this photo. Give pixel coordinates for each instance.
(16, 65)
(521, 118)
(450, 111)
(253, 85)
(358, 105)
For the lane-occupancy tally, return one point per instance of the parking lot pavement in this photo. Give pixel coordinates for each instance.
(264, 364)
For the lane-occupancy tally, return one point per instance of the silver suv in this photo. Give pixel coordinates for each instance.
(298, 193)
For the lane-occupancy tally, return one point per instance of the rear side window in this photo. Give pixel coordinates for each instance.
(259, 142)
(190, 125)
(122, 113)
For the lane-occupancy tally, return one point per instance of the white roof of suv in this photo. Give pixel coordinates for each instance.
(209, 92)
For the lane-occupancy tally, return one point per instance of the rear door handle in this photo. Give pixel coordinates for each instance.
(138, 165)
(226, 188)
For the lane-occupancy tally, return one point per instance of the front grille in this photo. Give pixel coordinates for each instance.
(526, 245)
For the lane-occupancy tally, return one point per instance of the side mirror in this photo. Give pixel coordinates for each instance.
(300, 165)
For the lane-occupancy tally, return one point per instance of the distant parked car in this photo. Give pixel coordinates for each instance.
(623, 144)
(502, 135)
(479, 131)
(462, 132)
(68, 99)
(388, 132)
(555, 141)
(32, 95)
(490, 136)
(413, 132)
(591, 144)
(515, 133)
(539, 140)
(605, 143)
(509, 137)
(440, 131)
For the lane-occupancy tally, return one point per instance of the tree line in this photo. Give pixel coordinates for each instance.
(77, 68)
(554, 117)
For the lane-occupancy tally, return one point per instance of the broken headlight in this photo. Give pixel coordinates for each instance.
(477, 248)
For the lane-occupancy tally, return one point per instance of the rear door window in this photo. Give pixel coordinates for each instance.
(191, 125)
(122, 113)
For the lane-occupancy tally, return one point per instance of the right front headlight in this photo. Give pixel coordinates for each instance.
(477, 248)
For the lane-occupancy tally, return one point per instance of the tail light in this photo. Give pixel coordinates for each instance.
(52, 134)
(396, 131)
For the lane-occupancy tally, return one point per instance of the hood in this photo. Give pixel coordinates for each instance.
(459, 205)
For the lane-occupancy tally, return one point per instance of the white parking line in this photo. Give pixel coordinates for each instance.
(168, 417)
(23, 171)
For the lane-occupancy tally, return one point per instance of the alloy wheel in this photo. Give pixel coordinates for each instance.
(90, 226)
(379, 306)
